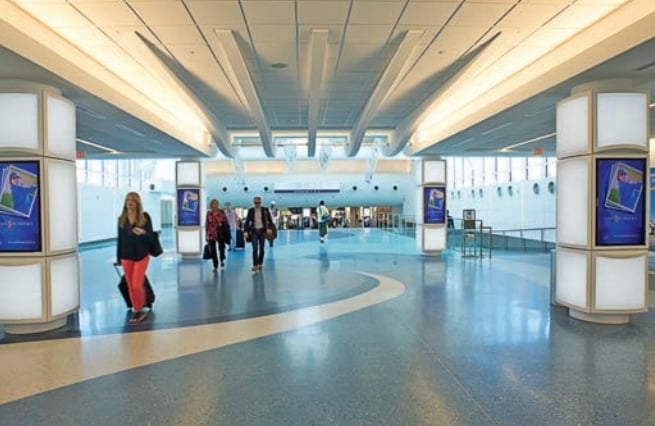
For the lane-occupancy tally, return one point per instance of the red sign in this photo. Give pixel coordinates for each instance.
(80, 154)
(538, 151)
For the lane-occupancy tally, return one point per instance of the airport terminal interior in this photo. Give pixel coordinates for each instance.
(375, 106)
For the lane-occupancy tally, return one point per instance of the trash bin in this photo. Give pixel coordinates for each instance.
(553, 277)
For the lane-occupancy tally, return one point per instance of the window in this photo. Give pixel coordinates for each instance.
(489, 170)
(477, 170)
(518, 169)
(551, 167)
(536, 168)
(502, 169)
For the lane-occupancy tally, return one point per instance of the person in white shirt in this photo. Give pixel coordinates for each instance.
(232, 221)
(323, 216)
(274, 215)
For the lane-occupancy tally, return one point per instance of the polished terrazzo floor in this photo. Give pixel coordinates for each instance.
(362, 330)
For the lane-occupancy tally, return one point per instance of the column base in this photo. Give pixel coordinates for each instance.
(35, 327)
(191, 256)
(612, 319)
(431, 253)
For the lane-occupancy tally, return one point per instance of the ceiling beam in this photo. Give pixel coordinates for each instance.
(214, 126)
(240, 78)
(395, 70)
(406, 128)
(24, 35)
(626, 27)
(318, 55)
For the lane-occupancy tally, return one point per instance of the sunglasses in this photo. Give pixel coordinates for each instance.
(258, 202)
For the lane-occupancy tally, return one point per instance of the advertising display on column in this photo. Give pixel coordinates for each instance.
(434, 204)
(188, 206)
(20, 209)
(620, 209)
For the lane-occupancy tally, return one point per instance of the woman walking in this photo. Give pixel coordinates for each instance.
(133, 251)
(217, 231)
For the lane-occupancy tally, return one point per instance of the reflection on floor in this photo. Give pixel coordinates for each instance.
(361, 330)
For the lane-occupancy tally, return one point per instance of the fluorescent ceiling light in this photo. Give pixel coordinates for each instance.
(128, 129)
(95, 145)
(502, 126)
(538, 138)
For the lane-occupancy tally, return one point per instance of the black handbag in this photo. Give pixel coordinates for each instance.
(155, 245)
(206, 252)
(271, 232)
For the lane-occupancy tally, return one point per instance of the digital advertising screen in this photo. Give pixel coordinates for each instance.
(20, 207)
(434, 204)
(620, 199)
(188, 207)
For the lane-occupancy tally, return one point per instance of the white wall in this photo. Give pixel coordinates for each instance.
(521, 210)
(99, 208)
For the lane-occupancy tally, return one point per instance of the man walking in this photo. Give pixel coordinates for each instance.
(256, 227)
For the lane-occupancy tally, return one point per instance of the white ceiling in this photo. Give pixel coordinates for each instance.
(173, 78)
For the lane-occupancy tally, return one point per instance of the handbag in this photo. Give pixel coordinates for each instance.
(206, 252)
(271, 232)
(155, 245)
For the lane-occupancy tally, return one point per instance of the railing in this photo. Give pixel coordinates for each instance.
(486, 238)
(527, 238)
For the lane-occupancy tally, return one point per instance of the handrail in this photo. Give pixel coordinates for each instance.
(524, 229)
(503, 235)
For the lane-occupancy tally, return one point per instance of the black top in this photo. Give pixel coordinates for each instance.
(131, 246)
(249, 225)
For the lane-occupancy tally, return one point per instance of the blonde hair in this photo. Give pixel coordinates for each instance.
(140, 217)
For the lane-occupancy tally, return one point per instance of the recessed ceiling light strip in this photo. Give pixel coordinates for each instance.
(95, 145)
(538, 138)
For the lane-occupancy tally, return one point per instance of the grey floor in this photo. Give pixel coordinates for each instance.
(469, 342)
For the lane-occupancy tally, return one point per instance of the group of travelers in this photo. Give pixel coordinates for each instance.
(223, 230)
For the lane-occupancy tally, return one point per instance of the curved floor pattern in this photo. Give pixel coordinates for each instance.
(80, 359)
(406, 340)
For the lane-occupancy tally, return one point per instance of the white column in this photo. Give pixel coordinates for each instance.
(602, 201)
(189, 208)
(38, 208)
(431, 218)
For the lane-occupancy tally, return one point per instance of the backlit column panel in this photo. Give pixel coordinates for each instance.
(38, 208)
(602, 201)
(189, 212)
(431, 219)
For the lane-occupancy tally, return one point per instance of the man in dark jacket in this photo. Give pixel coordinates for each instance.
(257, 226)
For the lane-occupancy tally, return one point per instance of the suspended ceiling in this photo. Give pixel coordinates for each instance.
(184, 78)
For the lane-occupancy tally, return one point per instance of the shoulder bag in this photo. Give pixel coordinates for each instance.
(155, 245)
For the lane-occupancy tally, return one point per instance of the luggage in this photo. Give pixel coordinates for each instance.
(122, 287)
(241, 243)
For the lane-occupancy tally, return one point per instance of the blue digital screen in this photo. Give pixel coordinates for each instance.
(20, 207)
(188, 207)
(620, 201)
(434, 204)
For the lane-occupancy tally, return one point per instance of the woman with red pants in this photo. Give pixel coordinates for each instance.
(134, 240)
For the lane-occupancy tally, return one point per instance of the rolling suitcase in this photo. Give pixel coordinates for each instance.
(240, 241)
(122, 287)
